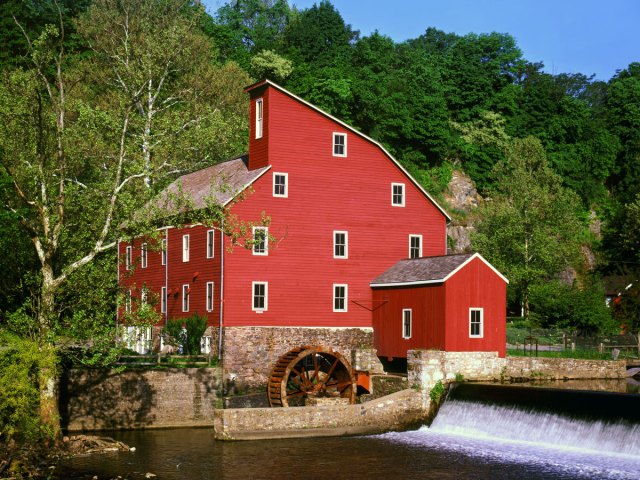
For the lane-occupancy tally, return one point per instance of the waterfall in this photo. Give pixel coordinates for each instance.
(513, 423)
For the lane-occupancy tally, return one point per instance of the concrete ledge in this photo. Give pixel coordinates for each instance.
(393, 412)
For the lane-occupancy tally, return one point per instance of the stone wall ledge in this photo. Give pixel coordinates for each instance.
(393, 412)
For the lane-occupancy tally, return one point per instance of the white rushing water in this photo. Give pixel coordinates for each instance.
(562, 446)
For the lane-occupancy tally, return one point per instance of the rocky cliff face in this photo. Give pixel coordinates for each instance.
(463, 198)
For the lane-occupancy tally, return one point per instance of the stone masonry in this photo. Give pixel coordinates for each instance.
(111, 400)
(427, 367)
(249, 353)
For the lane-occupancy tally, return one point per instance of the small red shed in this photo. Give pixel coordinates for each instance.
(455, 303)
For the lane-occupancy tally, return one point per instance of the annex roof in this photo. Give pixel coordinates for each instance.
(350, 128)
(221, 182)
(427, 270)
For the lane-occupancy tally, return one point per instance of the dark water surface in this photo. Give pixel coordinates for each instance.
(473, 437)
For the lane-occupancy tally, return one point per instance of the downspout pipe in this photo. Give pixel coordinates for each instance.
(221, 290)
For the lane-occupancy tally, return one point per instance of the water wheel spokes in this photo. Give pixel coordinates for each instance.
(310, 371)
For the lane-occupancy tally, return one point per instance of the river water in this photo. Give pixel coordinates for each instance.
(476, 439)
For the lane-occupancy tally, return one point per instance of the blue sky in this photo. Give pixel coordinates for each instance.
(568, 36)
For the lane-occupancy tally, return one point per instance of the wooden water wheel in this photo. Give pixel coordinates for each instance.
(310, 371)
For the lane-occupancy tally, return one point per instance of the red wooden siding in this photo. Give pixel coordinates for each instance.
(259, 147)
(441, 313)
(196, 273)
(476, 286)
(326, 193)
(427, 304)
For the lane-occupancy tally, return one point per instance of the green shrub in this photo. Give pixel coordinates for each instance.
(174, 334)
(195, 326)
(22, 362)
(437, 391)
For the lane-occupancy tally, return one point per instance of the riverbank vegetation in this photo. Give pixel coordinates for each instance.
(103, 103)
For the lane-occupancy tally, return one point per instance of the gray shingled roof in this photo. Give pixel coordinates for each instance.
(221, 182)
(422, 270)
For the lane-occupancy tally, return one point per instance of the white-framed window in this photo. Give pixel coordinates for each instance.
(259, 117)
(143, 296)
(127, 258)
(143, 255)
(163, 300)
(397, 194)
(415, 246)
(185, 297)
(185, 248)
(406, 322)
(280, 184)
(340, 244)
(340, 297)
(260, 291)
(211, 236)
(127, 301)
(163, 248)
(260, 240)
(339, 144)
(476, 322)
(209, 297)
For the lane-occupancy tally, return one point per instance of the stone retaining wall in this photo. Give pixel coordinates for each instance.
(427, 367)
(393, 412)
(108, 400)
(249, 353)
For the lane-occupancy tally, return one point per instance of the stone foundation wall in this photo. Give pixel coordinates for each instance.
(108, 400)
(249, 353)
(427, 367)
(393, 412)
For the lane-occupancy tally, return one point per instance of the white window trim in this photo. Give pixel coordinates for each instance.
(211, 243)
(185, 297)
(143, 256)
(411, 236)
(404, 194)
(143, 296)
(346, 297)
(481, 310)
(266, 241)
(209, 296)
(163, 300)
(286, 185)
(346, 244)
(266, 296)
(259, 117)
(185, 248)
(404, 310)
(333, 144)
(163, 249)
(127, 258)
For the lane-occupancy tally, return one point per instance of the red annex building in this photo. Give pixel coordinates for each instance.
(343, 211)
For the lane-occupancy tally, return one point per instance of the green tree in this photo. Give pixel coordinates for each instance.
(529, 228)
(244, 28)
(623, 114)
(85, 142)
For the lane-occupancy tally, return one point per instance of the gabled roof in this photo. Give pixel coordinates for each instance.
(350, 128)
(220, 182)
(426, 270)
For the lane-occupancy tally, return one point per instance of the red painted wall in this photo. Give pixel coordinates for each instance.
(326, 193)
(476, 286)
(428, 313)
(196, 273)
(259, 147)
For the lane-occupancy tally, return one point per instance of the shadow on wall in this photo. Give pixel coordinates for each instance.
(104, 399)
